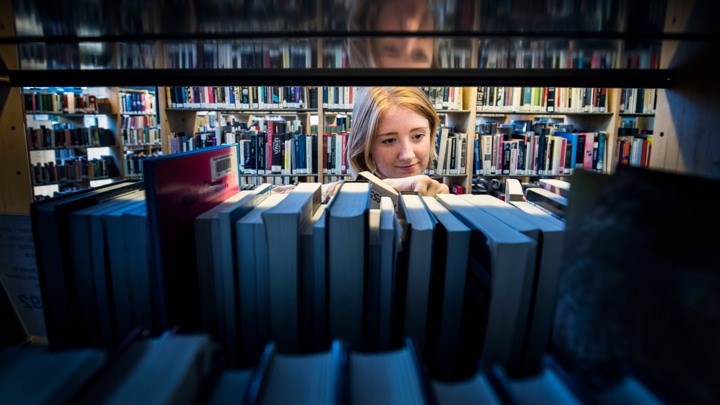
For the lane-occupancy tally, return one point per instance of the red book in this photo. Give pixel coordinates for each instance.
(178, 188)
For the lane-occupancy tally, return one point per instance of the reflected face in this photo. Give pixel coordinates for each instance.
(401, 147)
(408, 16)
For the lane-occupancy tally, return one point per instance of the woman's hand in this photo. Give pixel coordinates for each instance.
(420, 183)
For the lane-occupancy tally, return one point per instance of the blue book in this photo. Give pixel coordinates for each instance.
(572, 138)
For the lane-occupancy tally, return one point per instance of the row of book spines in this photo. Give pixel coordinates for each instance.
(633, 150)
(538, 155)
(143, 102)
(542, 99)
(241, 97)
(45, 138)
(141, 136)
(235, 56)
(445, 98)
(72, 170)
(490, 57)
(452, 158)
(335, 57)
(338, 96)
(133, 163)
(139, 121)
(635, 101)
(180, 142)
(60, 102)
(283, 154)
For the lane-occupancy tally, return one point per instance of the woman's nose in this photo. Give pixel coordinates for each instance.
(406, 151)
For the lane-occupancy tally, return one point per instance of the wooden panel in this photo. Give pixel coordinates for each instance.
(15, 186)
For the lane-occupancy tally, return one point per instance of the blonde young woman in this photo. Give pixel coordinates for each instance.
(393, 136)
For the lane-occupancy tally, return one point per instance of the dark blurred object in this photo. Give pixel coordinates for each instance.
(638, 288)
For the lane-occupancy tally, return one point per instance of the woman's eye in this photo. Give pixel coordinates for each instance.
(418, 136)
(388, 141)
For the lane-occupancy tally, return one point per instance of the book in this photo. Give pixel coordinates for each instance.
(379, 189)
(226, 281)
(284, 224)
(394, 376)
(35, 374)
(390, 234)
(416, 268)
(546, 386)
(140, 253)
(500, 256)
(119, 268)
(539, 291)
(547, 200)
(165, 369)
(346, 226)
(320, 284)
(230, 385)
(559, 187)
(97, 249)
(282, 378)
(474, 389)
(54, 260)
(451, 248)
(372, 302)
(253, 286)
(179, 187)
(313, 288)
(513, 190)
(214, 246)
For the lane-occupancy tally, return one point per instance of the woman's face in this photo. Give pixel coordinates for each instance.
(401, 147)
(408, 16)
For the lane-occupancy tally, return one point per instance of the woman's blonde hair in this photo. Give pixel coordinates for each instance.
(370, 106)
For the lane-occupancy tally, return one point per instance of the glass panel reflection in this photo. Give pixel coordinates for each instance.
(342, 53)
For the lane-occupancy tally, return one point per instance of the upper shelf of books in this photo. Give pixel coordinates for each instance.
(503, 42)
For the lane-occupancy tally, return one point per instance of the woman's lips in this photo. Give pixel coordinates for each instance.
(406, 168)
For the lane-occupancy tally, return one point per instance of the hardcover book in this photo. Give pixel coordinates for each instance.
(180, 187)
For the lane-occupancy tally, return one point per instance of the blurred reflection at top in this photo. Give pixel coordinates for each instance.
(392, 52)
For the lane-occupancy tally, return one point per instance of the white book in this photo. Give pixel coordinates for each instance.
(347, 251)
(418, 256)
(253, 288)
(379, 189)
(512, 258)
(284, 223)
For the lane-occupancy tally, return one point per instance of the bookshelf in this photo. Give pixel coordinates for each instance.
(72, 138)
(139, 128)
(463, 109)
